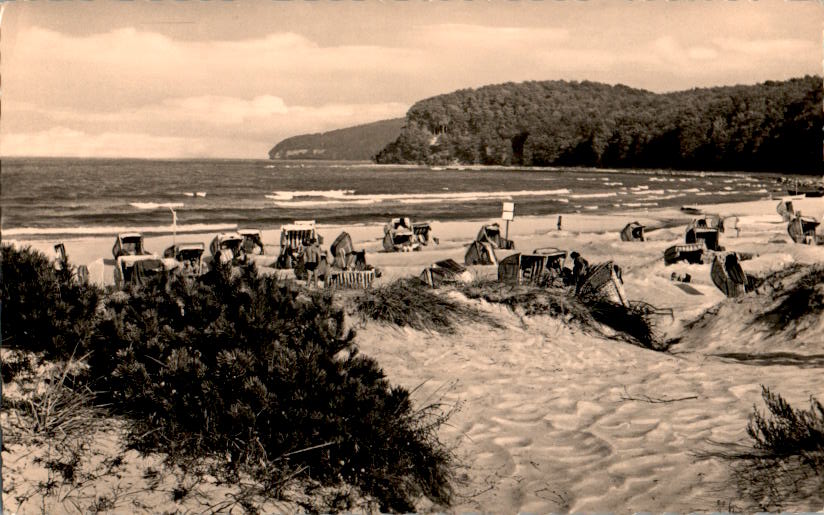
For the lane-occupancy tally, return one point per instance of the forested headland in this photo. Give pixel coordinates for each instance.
(359, 143)
(772, 126)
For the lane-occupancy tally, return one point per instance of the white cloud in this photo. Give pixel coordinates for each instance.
(184, 127)
(62, 141)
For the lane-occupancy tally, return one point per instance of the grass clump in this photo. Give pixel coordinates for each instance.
(408, 302)
(804, 300)
(786, 431)
(785, 462)
(633, 323)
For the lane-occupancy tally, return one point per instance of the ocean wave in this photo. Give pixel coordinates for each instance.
(667, 197)
(413, 198)
(594, 195)
(155, 205)
(640, 204)
(648, 192)
(113, 230)
(289, 195)
(613, 184)
(324, 203)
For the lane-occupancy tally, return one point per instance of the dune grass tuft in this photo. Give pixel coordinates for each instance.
(634, 323)
(804, 299)
(785, 461)
(408, 302)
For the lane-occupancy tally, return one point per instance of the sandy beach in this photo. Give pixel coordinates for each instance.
(553, 418)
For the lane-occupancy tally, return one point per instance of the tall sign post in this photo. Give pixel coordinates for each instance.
(508, 215)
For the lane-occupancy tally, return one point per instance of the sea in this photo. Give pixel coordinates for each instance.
(58, 198)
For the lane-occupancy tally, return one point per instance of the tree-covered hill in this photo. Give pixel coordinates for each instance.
(776, 125)
(358, 143)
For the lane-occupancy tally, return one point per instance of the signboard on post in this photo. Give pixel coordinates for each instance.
(509, 211)
(508, 215)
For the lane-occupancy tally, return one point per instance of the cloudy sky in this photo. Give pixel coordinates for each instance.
(217, 78)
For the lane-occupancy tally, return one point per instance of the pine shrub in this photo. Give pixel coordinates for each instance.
(44, 309)
(249, 374)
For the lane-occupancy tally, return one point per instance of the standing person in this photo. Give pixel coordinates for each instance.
(579, 270)
(559, 222)
(311, 256)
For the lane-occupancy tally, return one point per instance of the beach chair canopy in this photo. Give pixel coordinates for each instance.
(344, 256)
(293, 235)
(139, 270)
(802, 229)
(399, 234)
(691, 253)
(397, 223)
(128, 244)
(708, 235)
(633, 231)
(480, 253)
(604, 282)
(445, 271)
(252, 241)
(491, 233)
(422, 231)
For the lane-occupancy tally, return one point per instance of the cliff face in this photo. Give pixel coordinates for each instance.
(359, 143)
(773, 126)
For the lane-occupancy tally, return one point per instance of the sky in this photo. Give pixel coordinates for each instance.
(230, 78)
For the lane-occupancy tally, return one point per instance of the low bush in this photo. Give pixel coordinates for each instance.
(409, 302)
(44, 309)
(784, 464)
(264, 381)
(805, 299)
(633, 323)
(786, 431)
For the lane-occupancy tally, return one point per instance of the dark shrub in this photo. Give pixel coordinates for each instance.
(44, 309)
(785, 462)
(787, 431)
(263, 380)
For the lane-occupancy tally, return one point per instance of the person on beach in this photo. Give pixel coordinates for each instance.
(311, 257)
(559, 222)
(579, 270)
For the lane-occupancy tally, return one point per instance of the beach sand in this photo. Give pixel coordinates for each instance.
(556, 419)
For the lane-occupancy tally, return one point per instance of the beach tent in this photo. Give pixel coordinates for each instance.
(802, 229)
(728, 276)
(491, 233)
(633, 231)
(604, 282)
(480, 253)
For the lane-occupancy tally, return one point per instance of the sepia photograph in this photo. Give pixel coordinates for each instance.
(411, 256)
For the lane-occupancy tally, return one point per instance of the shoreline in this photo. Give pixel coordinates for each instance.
(593, 233)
